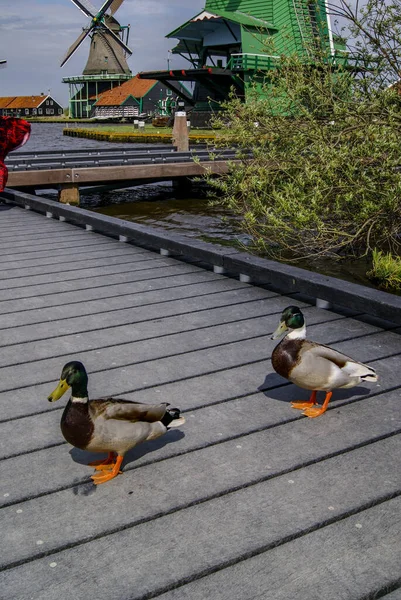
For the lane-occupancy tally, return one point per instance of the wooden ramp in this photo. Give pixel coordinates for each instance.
(248, 500)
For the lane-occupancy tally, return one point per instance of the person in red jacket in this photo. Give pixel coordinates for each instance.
(14, 133)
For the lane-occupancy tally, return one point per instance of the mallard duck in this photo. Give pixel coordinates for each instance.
(313, 366)
(111, 425)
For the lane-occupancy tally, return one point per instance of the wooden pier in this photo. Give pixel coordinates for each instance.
(68, 171)
(248, 500)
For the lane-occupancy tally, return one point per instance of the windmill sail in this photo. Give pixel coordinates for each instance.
(75, 46)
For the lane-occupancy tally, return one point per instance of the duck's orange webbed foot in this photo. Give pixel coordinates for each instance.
(109, 474)
(104, 463)
(313, 411)
(304, 405)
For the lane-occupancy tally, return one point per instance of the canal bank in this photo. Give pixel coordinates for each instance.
(134, 137)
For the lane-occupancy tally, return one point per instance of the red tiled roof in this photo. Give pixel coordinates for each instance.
(26, 101)
(5, 101)
(133, 87)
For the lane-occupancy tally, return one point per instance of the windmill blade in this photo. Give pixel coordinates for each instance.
(104, 8)
(115, 5)
(75, 45)
(117, 39)
(86, 7)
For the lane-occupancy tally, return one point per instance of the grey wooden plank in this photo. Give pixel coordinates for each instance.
(225, 529)
(177, 344)
(61, 249)
(358, 557)
(129, 376)
(73, 267)
(51, 233)
(342, 427)
(27, 231)
(71, 258)
(51, 238)
(97, 281)
(100, 271)
(57, 255)
(33, 226)
(101, 305)
(46, 301)
(128, 316)
(217, 474)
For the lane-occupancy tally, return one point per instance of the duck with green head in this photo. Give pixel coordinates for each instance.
(313, 366)
(111, 425)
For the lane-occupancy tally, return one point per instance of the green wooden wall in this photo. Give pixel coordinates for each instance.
(262, 9)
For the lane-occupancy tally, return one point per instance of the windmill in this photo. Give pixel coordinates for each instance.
(106, 66)
(107, 47)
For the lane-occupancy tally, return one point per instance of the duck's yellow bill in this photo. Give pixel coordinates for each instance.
(282, 328)
(59, 391)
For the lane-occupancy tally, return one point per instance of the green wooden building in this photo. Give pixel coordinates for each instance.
(225, 44)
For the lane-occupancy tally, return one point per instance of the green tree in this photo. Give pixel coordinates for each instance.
(325, 141)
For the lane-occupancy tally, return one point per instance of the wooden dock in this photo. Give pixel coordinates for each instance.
(67, 171)
(248, 500)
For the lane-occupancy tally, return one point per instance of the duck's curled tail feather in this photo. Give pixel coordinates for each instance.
(172, 418)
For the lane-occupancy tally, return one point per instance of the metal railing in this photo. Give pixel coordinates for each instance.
(103, 158)
(245, 61)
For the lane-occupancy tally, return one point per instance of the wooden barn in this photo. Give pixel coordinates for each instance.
(30, 106)
(133, 98)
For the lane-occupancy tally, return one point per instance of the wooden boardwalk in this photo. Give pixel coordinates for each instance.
(248, 500)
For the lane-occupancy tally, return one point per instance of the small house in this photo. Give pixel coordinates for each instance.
(30, 106)
(133, 98)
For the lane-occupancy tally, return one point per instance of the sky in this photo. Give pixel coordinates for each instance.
(35, 34)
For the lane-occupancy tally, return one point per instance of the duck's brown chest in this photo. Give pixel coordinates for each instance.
(76, 424)
(286, 356)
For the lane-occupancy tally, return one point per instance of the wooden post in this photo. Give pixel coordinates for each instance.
(180, 131)
(68, 193)
(182, 187)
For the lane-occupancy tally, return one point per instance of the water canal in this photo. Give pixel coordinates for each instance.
(157, 205)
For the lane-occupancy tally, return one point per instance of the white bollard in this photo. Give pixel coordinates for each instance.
(245, 278)
(323, 304)
(219, 270)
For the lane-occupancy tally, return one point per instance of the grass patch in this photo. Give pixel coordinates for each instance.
(109, 128)
(151, 135)
(386, 271)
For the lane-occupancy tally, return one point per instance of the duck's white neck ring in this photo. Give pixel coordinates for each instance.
(79, 400)
(297, 334)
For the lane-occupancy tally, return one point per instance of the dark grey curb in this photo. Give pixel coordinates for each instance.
(284, 278)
